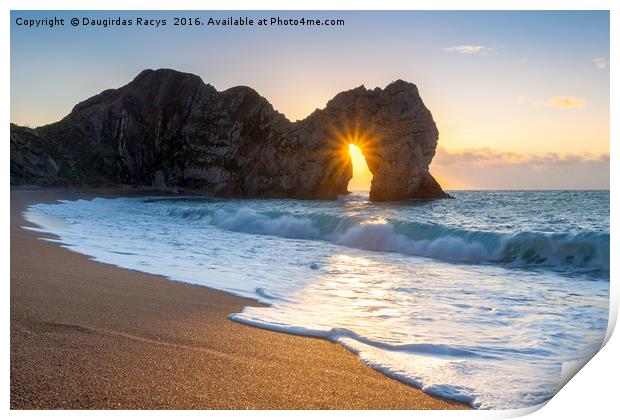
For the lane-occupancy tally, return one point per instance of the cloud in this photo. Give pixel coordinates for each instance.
(601, 63)
(486, 168)
(562, 102)
(470, 49)
(488, 157)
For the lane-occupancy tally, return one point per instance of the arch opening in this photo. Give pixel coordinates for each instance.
(361, 176)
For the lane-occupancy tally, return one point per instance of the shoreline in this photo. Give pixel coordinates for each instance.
(90, 335)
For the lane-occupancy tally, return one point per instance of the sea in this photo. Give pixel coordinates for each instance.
(482, 298)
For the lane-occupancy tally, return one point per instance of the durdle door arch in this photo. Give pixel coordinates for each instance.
(170, 129)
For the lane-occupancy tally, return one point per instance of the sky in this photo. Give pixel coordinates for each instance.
(521, 99)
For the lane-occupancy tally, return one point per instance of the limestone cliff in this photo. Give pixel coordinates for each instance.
(168, 128)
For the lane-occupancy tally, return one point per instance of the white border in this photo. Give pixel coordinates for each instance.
(592, 394)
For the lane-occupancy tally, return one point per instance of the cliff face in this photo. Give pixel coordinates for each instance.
(167, 128)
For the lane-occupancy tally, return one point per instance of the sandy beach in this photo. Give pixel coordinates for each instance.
(91, 335)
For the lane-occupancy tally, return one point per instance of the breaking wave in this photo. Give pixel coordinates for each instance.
(584, 249)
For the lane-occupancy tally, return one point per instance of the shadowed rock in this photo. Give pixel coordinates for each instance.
(168, 128)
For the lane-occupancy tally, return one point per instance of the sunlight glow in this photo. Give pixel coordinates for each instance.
(354, 145)
(450, 182)
(361, 174)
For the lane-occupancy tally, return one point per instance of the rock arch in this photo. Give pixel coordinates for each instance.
(394, 130)
(168, 128)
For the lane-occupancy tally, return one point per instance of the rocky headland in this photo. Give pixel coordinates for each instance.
(170, 129)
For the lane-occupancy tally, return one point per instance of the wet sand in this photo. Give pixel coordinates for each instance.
(91, 335)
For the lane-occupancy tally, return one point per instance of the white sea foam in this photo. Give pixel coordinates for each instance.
(464, 299)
